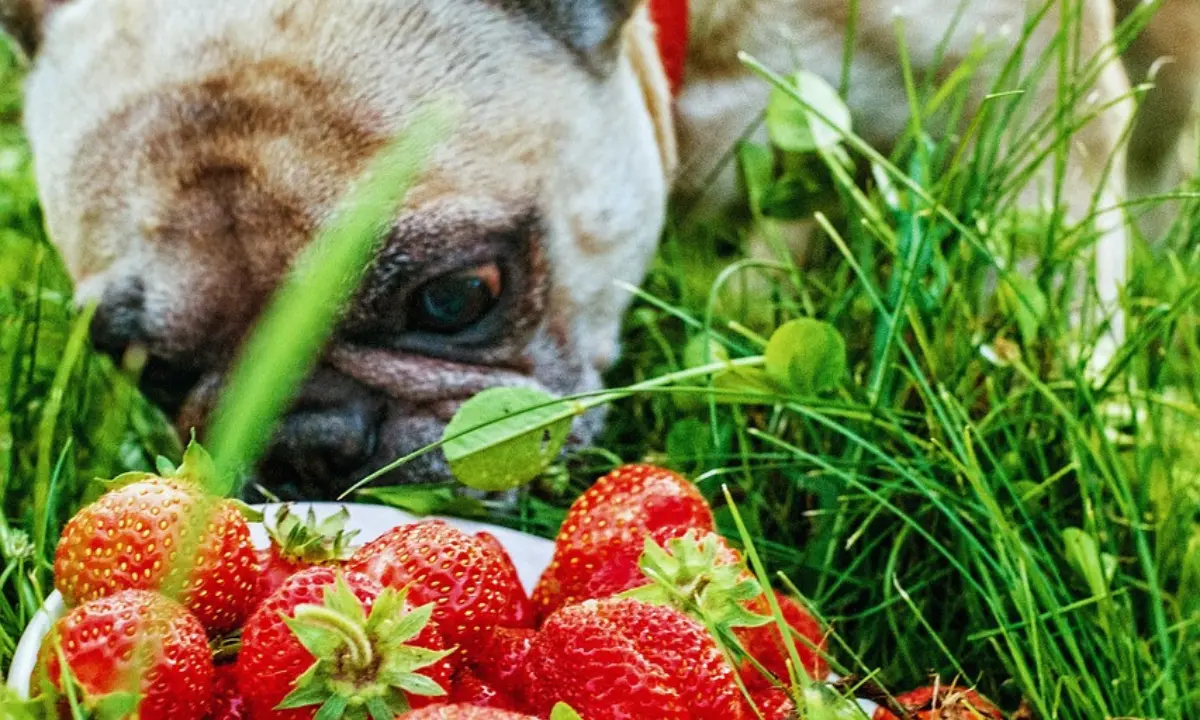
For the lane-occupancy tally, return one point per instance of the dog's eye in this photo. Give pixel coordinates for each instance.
(452, 303)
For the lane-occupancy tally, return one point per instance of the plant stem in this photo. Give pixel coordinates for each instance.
(360, 655)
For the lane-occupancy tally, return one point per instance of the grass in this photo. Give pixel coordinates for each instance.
(966, 501)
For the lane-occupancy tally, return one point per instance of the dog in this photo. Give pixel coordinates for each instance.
(186, 151)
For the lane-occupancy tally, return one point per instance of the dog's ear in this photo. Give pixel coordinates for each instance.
(23, 20)
(591, 29)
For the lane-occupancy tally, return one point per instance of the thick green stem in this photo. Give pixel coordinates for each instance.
(359, 646)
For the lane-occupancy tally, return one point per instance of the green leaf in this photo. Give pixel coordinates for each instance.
(333, 709)
(407, 659)
(409, 625)
(688, 575)
(795, 198)
(514, 449)
(128, 478)
(379, 709)
(563, 711)
(691, 445)
(164, 466)
(198, 467)
(1025, 302)
(420, 685)
(822, 702)
(386, 611)
(755, 382)
(116, 706)
(249, 513)
(1083, 553)
(310, 690)
(656, 559)
(13, 709)
(807, 356)
(388, 606)
(332, 525)
(703, 349)
(758, 171)
(342, 600)
(398, 702)
(798, 127)
(318, 638)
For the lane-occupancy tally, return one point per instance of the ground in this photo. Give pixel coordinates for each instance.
(959, 498)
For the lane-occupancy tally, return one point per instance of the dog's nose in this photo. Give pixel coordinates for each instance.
(332, 430)
(119, 320)
(118, 324)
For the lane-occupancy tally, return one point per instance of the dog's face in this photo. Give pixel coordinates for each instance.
(188, 150)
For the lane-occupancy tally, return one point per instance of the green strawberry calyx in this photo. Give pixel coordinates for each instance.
(688, 575)
(311, 541)
(820, 701)
(363, 665)
(563, 711)
(197, 469)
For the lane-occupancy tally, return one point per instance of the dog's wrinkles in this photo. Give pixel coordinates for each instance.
(189, 148)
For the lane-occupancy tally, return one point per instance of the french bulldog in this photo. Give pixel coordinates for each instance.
(187, 150)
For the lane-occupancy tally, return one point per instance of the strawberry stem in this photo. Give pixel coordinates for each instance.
(358, 645)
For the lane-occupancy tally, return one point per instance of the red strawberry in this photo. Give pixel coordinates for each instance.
(464, 579)
(603, 535)
(161, 534)
(329, 641)
(466, 688)
(298, 543)
(520, 613)
(130, 645)
(464, 712)
(501, 657)
(774, 703)
(765, 643)
(227, 700)
(622, 658)
(940, 702)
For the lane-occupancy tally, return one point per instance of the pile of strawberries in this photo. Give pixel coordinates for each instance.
(643, 614)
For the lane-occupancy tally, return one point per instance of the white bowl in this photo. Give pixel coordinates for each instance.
(530, 554)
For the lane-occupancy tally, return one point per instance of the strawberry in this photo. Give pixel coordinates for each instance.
(460, 575)
(464, 712)
(501, 657)
(622, 658)
(337, 643)
(466, 688)
(520, 613)
(765, 644)
(298, 543)
(707, 579)
(774, 704)
(134, 648)
(941, 702)
(164, 534)
(227, 700)
(597, 548)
